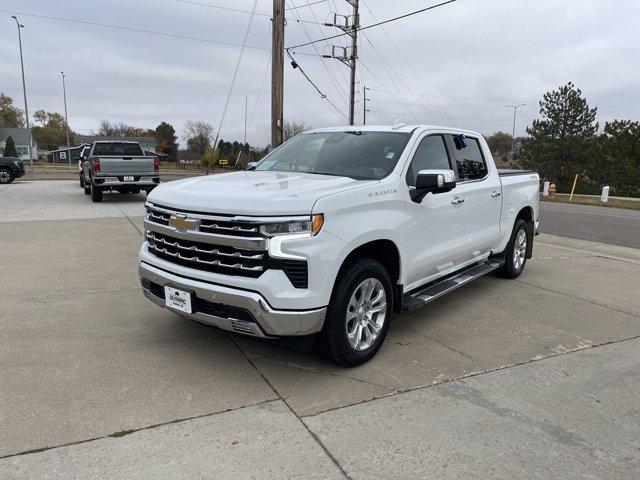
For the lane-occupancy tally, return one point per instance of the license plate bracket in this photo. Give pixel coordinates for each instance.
(177, 299)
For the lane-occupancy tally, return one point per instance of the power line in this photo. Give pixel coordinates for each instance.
(387, 65)
(235, 73)
(388, 91)
(230, 9)
(359, 29)
(255, 105)
(324, 65)
(408, 64)
(306, 5)
(134, 29)
(322, 95)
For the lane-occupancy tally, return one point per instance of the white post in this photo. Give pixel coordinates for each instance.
(605, 194)
(545, 189)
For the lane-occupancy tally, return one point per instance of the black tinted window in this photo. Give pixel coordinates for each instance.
(126, 149)
(469, 159)
(431, 154)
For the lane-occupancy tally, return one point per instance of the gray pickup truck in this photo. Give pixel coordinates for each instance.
(120, 166)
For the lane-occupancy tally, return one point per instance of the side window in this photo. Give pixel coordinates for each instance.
(431, 154)
(469, 159)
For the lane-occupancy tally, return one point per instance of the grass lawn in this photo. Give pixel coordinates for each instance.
(585, 200)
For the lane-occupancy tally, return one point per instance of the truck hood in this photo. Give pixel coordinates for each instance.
(252, 193)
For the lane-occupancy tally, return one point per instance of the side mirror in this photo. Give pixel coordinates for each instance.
(252, 165)
(433, 181)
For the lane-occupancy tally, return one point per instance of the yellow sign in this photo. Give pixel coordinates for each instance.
(223, 161)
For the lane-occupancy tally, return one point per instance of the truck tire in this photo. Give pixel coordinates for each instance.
(357, 318)
(96, 193)
(81, 181)
(6, 176)
(516, 251)
(86, 186)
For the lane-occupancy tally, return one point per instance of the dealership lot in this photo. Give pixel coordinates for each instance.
(499, 379)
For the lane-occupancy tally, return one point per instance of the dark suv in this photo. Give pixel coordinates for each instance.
(10, 169)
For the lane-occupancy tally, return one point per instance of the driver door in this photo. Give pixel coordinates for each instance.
(435, 224)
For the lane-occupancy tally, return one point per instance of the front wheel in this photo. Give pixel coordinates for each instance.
(516, 251)
(358, 315)
(6, 176)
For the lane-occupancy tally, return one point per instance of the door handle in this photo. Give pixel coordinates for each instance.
(495, 194)
(457, 200)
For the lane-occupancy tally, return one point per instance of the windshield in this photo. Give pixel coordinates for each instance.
(113, 148)
(359, 155)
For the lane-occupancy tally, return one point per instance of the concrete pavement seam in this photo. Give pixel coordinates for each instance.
(447, 347)
(284, 400)
(591, 253)
(476, 374)
(577, 298)
(123, 433)
(129, 219)
(315, 370)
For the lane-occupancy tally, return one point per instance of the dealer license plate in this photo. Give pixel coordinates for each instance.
(177, 299)
(128, 179)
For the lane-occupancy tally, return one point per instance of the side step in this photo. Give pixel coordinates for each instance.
(435, 290)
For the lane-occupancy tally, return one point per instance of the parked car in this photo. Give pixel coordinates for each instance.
(84, 156)
(120, 166)
(10, 169)
(334, 230)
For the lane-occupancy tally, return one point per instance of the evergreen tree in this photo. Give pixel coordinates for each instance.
(10, 148)
(562, 142)
(166, 139)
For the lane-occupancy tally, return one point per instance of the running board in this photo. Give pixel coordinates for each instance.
(436, 290)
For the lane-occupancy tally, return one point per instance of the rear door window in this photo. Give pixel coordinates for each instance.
(470, 162)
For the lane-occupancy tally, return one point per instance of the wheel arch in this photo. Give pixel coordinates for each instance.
(387, 253)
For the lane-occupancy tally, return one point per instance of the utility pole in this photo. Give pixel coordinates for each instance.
(348, 55)
(352, 60)
(246, 99)
(364, 104)
(66, 118)
(24, 91)
(513, 132)
(277, 72)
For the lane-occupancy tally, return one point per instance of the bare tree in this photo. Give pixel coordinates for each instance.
(198, 135)
(291, 129)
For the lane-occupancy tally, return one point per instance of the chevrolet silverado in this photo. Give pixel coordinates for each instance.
(334, 230)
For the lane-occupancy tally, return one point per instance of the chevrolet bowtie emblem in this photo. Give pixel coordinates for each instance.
(181, 222)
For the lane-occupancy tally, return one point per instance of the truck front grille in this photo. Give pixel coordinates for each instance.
(207, 255)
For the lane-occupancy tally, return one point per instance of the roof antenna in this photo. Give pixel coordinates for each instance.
(399, 124)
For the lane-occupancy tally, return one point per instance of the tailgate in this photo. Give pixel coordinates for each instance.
(126, 165)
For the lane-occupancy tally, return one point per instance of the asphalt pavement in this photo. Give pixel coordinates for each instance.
(615, 226)
(535, 378)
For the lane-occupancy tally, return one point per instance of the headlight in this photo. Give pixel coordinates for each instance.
(311, 226)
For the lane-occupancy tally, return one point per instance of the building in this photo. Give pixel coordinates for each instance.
(147, 143)
(20, 137)
(61, 155)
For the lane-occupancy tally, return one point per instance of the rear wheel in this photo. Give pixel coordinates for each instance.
(6, 176)
(358, 315)
(96, 193)
(516, 251)
(81, 181)
(86, 186)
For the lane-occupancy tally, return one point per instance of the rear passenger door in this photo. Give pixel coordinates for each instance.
(479, 186)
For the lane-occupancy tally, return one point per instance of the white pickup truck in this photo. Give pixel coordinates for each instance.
(334, 230)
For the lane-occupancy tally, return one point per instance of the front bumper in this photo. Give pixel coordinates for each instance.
(118, 181)
(223, 306)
